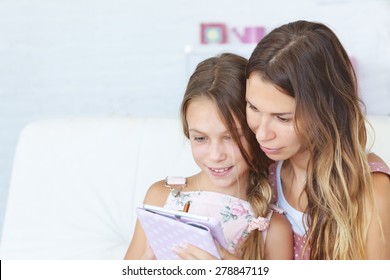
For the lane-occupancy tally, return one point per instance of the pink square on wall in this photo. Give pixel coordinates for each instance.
(213, 33)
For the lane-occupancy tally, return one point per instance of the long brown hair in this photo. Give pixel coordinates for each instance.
(222, 80)
(307, 61)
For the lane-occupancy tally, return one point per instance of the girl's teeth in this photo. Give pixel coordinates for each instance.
(220, 170)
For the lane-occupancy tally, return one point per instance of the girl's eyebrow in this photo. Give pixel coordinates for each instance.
(194, 130)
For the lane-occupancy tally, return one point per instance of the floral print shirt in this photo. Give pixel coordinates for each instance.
(233, 213)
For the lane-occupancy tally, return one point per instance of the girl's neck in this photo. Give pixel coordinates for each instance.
(237, 190)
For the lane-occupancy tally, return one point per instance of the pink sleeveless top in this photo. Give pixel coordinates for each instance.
(299, 235)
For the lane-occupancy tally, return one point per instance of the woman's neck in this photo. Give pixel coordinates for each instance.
(294, 176)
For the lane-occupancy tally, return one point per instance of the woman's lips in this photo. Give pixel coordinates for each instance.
(269, 150)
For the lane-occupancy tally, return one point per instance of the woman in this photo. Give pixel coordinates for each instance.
(303, 105)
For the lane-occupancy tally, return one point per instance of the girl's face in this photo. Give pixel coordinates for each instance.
(214, 150)
(270, 115)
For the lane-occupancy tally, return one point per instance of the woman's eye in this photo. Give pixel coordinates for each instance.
(283, 119)
(253, 108)
(227, 137)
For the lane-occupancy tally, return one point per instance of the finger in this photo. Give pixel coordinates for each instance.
(182, 253)
(148, 254)
(198, 253)
(191, 252)
(225, 254)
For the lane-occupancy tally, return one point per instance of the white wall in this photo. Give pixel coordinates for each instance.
(121, 57)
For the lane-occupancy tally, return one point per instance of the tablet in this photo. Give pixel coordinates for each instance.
(167, 228)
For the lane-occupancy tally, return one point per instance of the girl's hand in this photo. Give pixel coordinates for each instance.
(191, 252)
(148, 254)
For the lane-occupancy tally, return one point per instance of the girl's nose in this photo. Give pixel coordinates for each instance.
(217, 151)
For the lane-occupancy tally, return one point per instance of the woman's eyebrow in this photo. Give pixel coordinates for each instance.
(246, 99)
(282, 114)
(273, 114)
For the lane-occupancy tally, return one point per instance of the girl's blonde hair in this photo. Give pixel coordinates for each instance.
(222, 80)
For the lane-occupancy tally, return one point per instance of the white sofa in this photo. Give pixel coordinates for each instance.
(76, 182)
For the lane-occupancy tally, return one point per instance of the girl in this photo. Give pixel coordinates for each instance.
(303, 106)
(232, 184)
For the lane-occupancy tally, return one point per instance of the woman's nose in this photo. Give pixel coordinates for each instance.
(264, 130)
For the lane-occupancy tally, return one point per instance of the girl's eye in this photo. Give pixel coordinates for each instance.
(199, 139)
(227, 137)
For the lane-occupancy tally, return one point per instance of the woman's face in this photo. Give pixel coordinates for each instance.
(213, 148)
(270, 115)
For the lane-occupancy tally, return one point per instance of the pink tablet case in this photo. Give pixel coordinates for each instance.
(165, 232)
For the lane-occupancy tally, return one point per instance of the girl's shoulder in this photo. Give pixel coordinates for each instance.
(157, 194)
(159, 191)
(277, 217)
(279, 242)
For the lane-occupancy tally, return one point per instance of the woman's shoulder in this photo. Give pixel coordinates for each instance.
(381, 175)
(380, 228)
(377, 164)
(272, 178)
(381, 188)
(381, 180)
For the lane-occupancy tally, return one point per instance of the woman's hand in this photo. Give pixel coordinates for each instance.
(191, 252)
